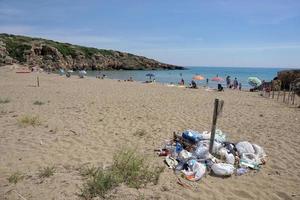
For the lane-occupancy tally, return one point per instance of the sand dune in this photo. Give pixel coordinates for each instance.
(84, 121)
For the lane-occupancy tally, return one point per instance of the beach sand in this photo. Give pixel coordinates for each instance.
(85, 121)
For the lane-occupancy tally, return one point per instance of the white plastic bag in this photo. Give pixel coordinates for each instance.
(230, 159)
(220, 136)
(244, 147)
(259, 151)
(197, 170)
(184, 155)
(222, 169)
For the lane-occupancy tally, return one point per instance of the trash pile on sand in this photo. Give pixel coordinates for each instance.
(189, 153)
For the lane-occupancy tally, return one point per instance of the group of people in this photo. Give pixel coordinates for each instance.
(233, 84)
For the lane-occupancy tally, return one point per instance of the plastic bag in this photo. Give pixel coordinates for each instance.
(244, 147)
(220, 136)
(249, 160)
(201, 151)
(196, 172)
(222, 169)
(259, 151)
(184, 155)
(191, 136)
(230, 158)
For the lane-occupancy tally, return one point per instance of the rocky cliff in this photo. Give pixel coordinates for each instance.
(52, 55)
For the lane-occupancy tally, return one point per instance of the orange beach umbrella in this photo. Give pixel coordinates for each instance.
(198, 78)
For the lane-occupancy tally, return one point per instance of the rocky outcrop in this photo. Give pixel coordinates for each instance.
(53, 55)
(287, 77)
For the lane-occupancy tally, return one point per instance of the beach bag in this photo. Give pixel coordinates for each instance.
(244, 147)
(222, 169)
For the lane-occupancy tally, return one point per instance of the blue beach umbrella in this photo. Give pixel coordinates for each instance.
(254, 81)
(150, 75)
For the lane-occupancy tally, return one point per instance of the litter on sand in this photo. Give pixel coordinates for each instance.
(188, 153)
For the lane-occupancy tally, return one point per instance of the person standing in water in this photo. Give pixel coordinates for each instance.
(235, 83)
(228, 81)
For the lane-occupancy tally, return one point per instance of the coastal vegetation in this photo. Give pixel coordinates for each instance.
(51, 55)
(46, 172)
(5, 100)
(128, 167)
(15, 177)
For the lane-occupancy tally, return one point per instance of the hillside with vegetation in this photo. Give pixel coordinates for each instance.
(49, 54)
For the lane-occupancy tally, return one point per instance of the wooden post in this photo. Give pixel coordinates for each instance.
(213, 127)
(283, 95)
(278, 95)
(294, 97)
(289, 93)
(38, 81)
(272, 90)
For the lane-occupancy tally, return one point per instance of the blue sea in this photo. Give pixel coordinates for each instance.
(174, 76)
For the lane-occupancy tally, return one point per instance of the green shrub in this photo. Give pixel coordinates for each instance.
(46, 172)
(15, 177)
(6, 100)
(38, 103)
(128, 167)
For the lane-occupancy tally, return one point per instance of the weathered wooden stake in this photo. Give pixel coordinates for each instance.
(213, 127)
(272, 91)
(284, 96)
(38, 81)
(294, 97)
(278, 95)
(289, 93)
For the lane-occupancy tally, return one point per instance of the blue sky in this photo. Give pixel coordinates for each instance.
(253, 33)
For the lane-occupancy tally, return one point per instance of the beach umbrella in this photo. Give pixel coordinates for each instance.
(83, 72)
(217, 79)
(254, 81)
(150, 75)
(198, 78)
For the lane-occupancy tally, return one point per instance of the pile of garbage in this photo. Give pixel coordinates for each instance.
(188, 153)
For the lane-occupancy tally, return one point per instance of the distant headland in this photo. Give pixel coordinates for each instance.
(52, 55)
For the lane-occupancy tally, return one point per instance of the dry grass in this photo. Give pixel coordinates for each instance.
(28, 120)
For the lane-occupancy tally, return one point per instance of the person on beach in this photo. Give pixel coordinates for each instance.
(228, 81)
(193, 84)
(235, 83)
(206, 82)
(240, 86)
(181, 82)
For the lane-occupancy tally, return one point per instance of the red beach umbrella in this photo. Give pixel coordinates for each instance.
(217, 79)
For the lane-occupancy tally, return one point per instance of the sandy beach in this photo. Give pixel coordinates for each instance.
(85, 121)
